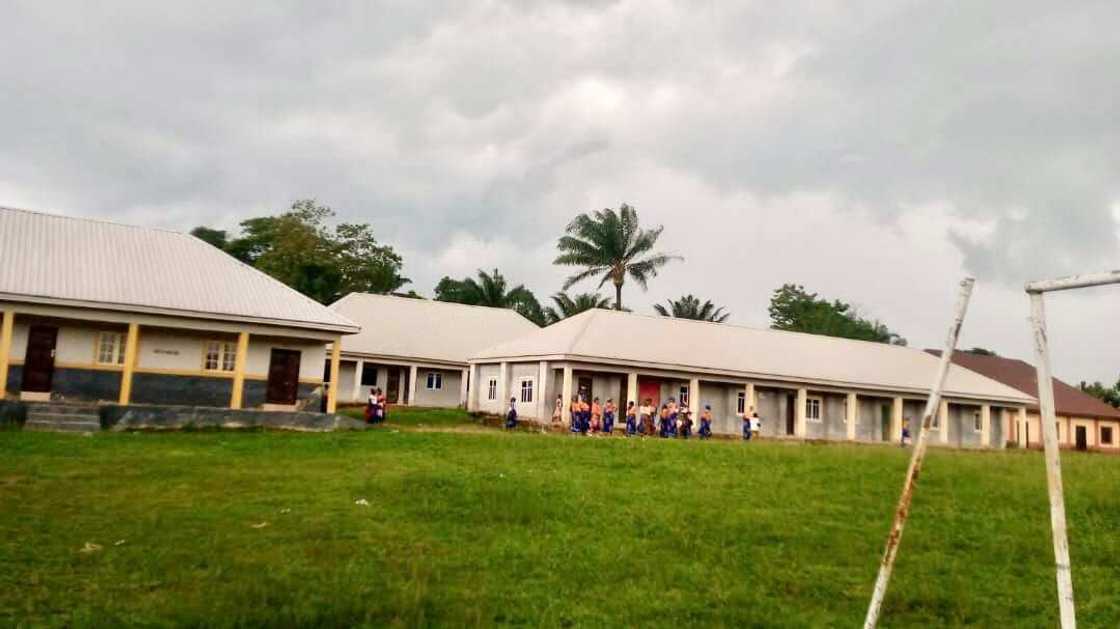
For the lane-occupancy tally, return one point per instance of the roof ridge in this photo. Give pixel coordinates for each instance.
(88, 219)
(431, 300)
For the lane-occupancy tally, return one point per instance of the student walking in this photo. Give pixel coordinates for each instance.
(706, 422)
(645, 416)
(575, 418)
(609, 412)
(584, 416)
(756, 425)
(596, 416)
(747, 427)
(558, 410)
(663, 421)
(686, 423)
(631, 419)
(511, 414)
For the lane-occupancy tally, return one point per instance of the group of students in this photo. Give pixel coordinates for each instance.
(377, 408)
(670, 421)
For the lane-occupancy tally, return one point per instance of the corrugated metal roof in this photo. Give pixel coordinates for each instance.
(59, 259)
(678, 344)
(423, 329)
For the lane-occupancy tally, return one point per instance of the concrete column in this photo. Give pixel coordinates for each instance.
(237, 396)
(852, 415)
(413, 374)
(332, 391)
(1005, 421)
(631, 393)
(543, 410)
(129, 362)
(943, 419)
(896, 420)
(400, 384)
(1022, 428)
(566, 392)
(694, 399)
(799, 412)
(464, 379)
(985, 425)
(503, 386)
(6, 327)
(356, 395)
(751, 404)
(472, 388)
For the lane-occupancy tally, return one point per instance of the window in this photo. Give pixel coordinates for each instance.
(492, 390)
(110, 348)
(683, 399)
(435, 381)
(526, 390)
(742, 405)
(813, 409)
(369, 375)
(1106, 435)
(220, 356)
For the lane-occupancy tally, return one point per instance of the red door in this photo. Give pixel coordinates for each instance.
(38, 363)
(649, 389)
(283, 377)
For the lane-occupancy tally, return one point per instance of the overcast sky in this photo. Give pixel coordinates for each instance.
(873, 151)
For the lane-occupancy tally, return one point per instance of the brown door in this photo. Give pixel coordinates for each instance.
(1082, 438)
(283, 377)
(791, 414)
(38, 363)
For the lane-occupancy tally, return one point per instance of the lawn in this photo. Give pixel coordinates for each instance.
(467, 525)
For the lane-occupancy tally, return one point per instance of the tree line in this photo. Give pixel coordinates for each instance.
(301, 249)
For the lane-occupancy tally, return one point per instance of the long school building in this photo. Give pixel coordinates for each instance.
(417, 350)
(98, 312)
(802, 385)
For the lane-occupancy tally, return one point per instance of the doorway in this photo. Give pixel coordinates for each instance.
(38, 362)
(1082, 438)
(283, 377)
(791, 413)
(649, 389)
(583, 388)
(393, 384)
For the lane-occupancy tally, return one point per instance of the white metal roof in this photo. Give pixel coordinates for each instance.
(422, 329)
(682, 345)
(46, 258)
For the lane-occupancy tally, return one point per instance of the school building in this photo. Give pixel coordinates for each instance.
(417, 350)
(1083, 421)
(98, 312)
(802, 386)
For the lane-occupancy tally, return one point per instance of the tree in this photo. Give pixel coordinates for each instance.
(492, 290)
(981, 351)
(792, 308)
(567, 306)
(612, 245)
(689, 307)
(297, 248)
(1107, 395)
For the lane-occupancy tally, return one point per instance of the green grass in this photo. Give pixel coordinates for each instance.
(478, 527)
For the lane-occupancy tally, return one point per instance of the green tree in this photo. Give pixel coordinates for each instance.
(792, 308)
(981, 351)
(1108, 395)
(612, 245)
(298, 248)
(568, 306)
(689, 307)
(492, 290)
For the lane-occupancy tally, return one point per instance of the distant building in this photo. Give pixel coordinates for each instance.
(416, 350)
(1083, 421)
(101, 312)
(802, 385)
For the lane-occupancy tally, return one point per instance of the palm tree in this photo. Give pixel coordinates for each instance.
(611, 244)
(567, 306)
(491, 289)
(689, 307)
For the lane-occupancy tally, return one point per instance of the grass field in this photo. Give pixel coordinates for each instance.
(471, 526)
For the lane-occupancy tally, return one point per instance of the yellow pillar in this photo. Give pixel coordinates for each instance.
(6, 349)
(332, 390)
(237, 396)
(943, 420)
(799, 412)
(131, 348)
(896, 420)
(1021, 430)
(751, 404)
(852, 415)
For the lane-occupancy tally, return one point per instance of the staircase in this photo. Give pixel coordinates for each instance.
(60, 417)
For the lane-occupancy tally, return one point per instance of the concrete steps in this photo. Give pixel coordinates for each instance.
(57, 417)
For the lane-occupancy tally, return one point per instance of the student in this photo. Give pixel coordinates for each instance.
(596, 416)
(905, 432)
(686, 423)
(558, 410)
(584, 416)
(511, 414)
(631, 419)
(382, 406)
(706, 422)
(674, 415)
(609, 412)
(645, 416)
(574, 420)
(748, 426)
(371, 406)
(663, 421)
(756, 424)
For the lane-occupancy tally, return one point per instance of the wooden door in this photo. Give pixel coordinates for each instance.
(38, 362)
(1082, 438)
(791, 414)
(283, 377)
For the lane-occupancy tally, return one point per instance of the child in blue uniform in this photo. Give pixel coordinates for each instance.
(747, 426)
(706, 422)
(574, 416)
(608, 417)
(663, 421)
(686, 423)
(511, 415)
(631, 419)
